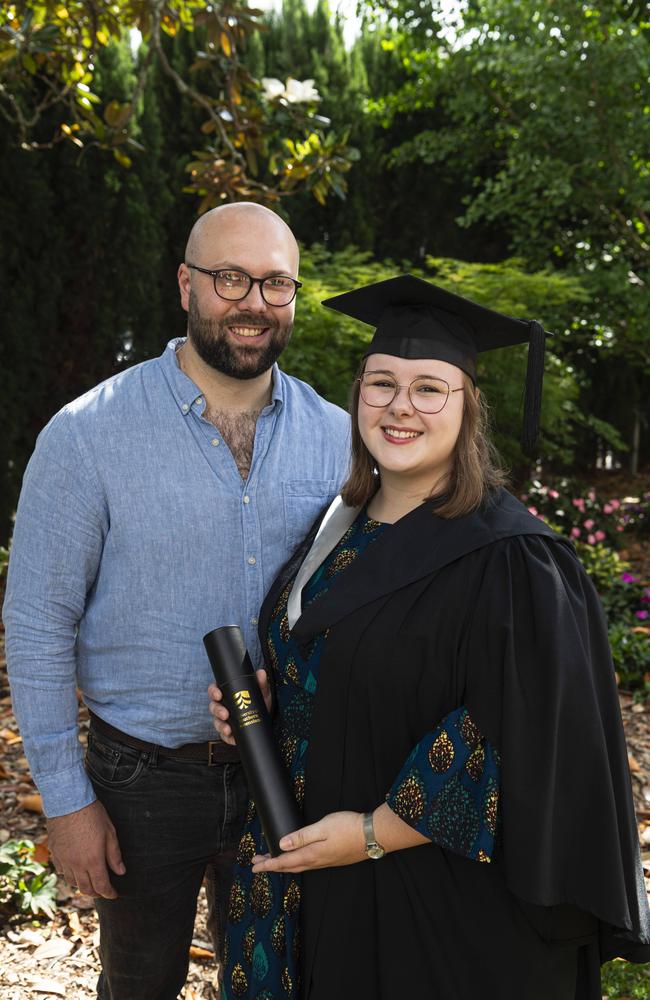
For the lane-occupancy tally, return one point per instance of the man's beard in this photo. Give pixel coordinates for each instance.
(209, 338)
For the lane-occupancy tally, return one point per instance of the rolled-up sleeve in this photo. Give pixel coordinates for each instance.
(61, 523)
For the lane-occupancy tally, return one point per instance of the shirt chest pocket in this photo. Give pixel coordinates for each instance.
(304, 499)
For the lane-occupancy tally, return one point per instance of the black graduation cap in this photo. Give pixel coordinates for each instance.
(416, 319)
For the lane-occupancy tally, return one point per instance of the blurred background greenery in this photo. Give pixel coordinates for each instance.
(500, 147)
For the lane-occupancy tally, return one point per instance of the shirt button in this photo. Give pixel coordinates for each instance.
(198, 400)
(184, 407)
(252, 560)
(253, 621)
(247, 499)
(214, 442)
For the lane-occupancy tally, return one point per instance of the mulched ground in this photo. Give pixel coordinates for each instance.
(59, 957)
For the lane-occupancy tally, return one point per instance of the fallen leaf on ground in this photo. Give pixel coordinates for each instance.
(56, 947)
(633, 763)
(41, 852)
(83, 902)
(28, 936)
(74, 923)
(10, 737)
(41, 985)
(200, 954)
(32, 803)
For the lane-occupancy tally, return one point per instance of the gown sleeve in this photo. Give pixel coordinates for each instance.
(448, 788)
(540, 686)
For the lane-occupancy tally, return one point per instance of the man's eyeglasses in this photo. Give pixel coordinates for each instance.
(276, 290)
(428, 395)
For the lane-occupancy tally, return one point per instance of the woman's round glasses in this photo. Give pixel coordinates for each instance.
(428, 395)
(276, 290)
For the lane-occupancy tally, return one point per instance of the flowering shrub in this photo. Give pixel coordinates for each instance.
(626, 601)
(595, 527)
(631, 654)
(579, 514)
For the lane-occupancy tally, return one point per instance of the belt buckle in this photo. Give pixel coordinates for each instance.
(211, 759)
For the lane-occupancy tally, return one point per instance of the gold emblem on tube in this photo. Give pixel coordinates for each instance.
(247, 716)
(242, 699)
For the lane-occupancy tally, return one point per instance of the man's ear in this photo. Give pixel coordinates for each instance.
(184, 279)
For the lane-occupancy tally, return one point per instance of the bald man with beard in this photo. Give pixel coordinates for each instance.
(156, 507)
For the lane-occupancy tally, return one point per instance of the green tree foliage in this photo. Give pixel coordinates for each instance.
(541, 109)
(258, 145)
(87, 276)
(402, 214)
(327, 347)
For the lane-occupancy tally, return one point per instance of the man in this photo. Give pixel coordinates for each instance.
(156, 507)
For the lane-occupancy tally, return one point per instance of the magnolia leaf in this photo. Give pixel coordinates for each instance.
(226, 45)
(122, 158)
(56, 947)
(116, 114)
(41, 985)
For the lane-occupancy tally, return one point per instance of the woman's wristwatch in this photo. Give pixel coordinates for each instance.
(373, 849)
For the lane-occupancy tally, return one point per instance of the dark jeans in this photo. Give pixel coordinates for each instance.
(176, 821)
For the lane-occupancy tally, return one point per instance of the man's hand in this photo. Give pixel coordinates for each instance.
(220, 712)
(82, 844)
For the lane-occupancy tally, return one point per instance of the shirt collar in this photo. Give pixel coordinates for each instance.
(187, 394)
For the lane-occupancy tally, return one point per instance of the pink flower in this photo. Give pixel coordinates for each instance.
(579, 503)
(553, 494)
(641, 614)
(575, 532)
(600, 536)
(532, 510)
(629, 577)
(591, 539)
(607, 509)
(619, 527)
(589, 524)
(614, 504)
(591, 494)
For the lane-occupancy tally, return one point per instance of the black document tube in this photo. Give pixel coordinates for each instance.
(268, 780)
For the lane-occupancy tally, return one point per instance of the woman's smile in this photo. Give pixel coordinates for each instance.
(400, 435)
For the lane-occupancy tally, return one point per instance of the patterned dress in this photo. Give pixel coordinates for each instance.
(448, 790)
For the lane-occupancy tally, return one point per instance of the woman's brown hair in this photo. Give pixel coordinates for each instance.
(475, 467)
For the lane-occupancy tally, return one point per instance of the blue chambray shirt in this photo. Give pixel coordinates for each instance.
(135, 535)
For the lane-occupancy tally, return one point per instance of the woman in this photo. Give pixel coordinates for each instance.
(446, 707)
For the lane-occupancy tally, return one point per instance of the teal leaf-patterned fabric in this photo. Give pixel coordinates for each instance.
(262, 946)
(448, 788)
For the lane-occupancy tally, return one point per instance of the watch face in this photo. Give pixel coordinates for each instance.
(375, 852)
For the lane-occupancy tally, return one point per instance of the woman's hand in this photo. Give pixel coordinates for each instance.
(335, 840)
(220, 712)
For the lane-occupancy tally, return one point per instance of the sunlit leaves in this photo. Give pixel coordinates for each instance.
(48, 54)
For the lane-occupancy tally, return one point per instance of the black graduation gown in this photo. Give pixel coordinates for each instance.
(491, 611)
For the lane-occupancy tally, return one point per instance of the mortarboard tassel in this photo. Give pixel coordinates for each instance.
(533, 387)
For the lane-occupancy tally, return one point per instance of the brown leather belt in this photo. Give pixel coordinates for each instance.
(211, 752)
